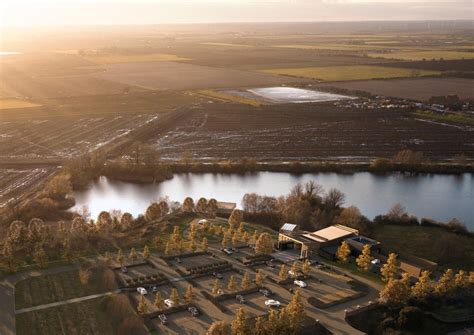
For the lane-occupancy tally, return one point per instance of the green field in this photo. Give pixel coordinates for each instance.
(51, 288)
(451, 117)
(425, 242)
(81, 318)
(351, 72)
(425, 55)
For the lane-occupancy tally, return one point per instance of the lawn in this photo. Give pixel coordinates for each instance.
(351, 72)
(428, 55)
(13, 103)
(51, 288)
(115, 59)
(421, 241)
(81, 318)
(451, 117)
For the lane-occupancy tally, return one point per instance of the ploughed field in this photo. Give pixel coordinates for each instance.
(309, 131)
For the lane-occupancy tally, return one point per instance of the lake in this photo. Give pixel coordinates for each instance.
(440, 197)
(294, 95)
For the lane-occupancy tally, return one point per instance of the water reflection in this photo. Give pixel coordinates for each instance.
(441, 197)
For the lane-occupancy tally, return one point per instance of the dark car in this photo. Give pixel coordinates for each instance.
(265, 292)
(163, 319)
(124, 269)
(217, 275)
(240, 299)
(193, 310)
(178, 260)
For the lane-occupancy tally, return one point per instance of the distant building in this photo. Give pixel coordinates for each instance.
(225, 208)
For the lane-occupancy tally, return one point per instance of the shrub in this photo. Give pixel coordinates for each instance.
(409, 317)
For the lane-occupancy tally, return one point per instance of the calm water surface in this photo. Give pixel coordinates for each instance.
(441, 197)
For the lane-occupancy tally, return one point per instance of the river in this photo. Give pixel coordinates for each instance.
(441, 197)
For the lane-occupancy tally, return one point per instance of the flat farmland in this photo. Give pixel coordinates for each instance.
(425, 54)
(14, 182)
(180, 76)
(59, 138)
(309, 132)
(414, 88)
(351, 72)
(14, 103)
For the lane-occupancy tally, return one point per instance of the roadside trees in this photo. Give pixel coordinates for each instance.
(204, 244)
(343, 252)
(219, 328)
(232, 286)
(294, 269)
(461, 279)
(146, 253)
(306, 267)
(364, 259)
(246, 282)
(216, 287)
(159, 303)
(174, 296)
(445, 283)
(153, 212)
(296, 313)
(133, 255)
(390, 269)
(189, 295)
(282, 274)
(188, 205)
(40, 257)
(120, 258)
(264, 244)
(259, 278)
(259, 326)
(396, 291)
(142, 307)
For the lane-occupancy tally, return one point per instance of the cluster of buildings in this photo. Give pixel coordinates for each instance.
(326, 241)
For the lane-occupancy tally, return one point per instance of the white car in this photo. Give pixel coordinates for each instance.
(142, 290)
(300, 283)
(169, 303)
(272, 303)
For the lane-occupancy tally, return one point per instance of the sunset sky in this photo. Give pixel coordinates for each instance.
(87, 12)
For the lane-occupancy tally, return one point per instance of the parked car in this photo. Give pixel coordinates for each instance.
(178, 260)
(169, 303)
(124, 269)
(193, 310)
(265, 292)
(154, 289)
(142, 290)
(300, 283)
(235, 250)
(240, 299)
(227, 251)
(270, 263)
(272, 303)
(163, 319)
(217, 275)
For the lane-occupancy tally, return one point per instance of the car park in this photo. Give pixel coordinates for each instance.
(265, 292)
(227, 251)
(169, 303)
(217, 275)
(142, 290)
(272, 303)
(300, 283)
(163, 319)
(193, 310)
(240, 299)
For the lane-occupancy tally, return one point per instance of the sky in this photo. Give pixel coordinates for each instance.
(113, 12)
